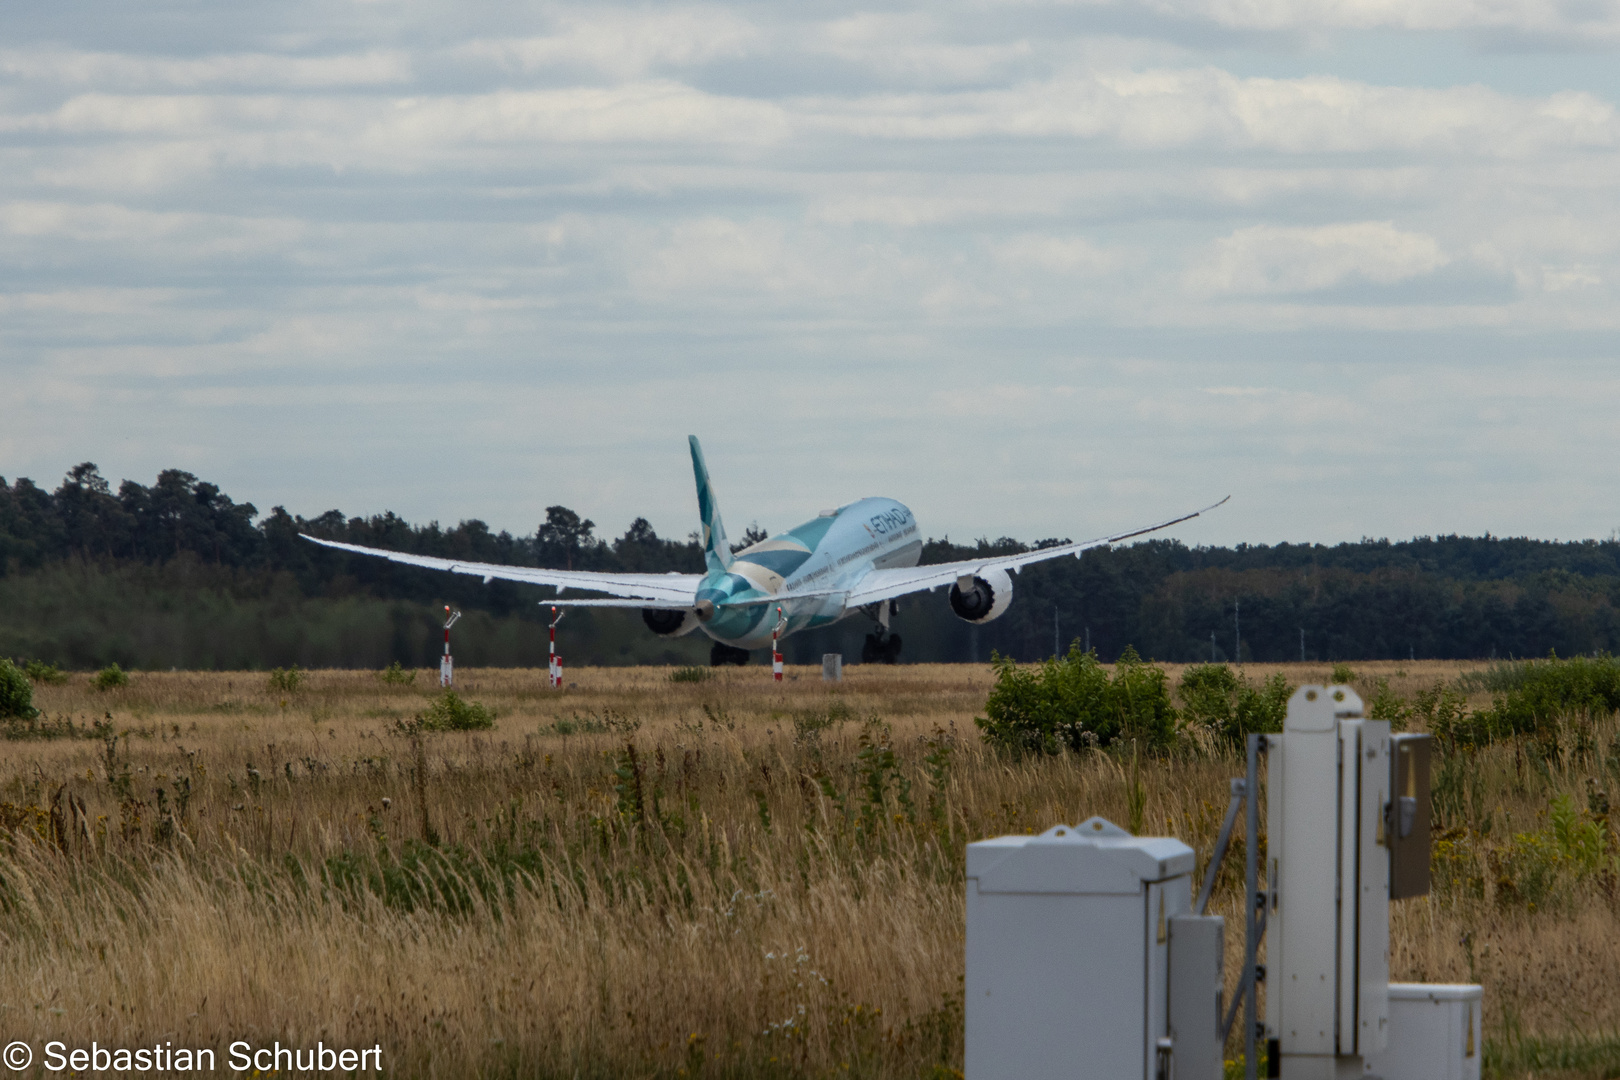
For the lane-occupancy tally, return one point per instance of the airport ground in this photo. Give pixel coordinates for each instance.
(635, 876)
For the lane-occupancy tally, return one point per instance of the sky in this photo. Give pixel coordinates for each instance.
(1034, 268)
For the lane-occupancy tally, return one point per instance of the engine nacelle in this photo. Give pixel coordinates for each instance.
(670, 622)
(986, 600)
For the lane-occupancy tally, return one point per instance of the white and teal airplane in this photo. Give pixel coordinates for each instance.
(860, 557)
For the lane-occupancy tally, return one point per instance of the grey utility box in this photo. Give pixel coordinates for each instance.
(1197, 977)
(1068, 956)
(1433, 1033)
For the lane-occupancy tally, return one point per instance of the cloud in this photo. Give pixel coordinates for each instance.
(1273, 260)
(105, 70)
(1208, 107)
(1549, 18)
(622, 44)
(1065, 255)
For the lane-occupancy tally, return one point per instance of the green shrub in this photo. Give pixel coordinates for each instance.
(41, 672)
(110, 677)
(396, 675)
(1216, 698)
(288, 680)
(16, 693)
(1209, 695)
(1342, 675)
(1387, 705)
(1444, 712)
(449, 712)
(1542, 691)
(689, 675)
(1263, 708)
(1072, 702)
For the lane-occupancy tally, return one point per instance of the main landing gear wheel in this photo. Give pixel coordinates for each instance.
(721, 654)
(881, 649)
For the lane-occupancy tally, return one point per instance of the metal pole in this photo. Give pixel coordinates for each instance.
(446, 665)
(1218, 856)
(1254, 903)
(776, 656)
(554, 666)
(1237, 633)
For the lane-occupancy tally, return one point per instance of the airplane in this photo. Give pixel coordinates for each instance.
(860, 557)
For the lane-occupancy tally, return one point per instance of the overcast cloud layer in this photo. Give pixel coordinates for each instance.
(1034, 268)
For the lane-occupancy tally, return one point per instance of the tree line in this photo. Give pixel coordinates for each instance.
(177, 573)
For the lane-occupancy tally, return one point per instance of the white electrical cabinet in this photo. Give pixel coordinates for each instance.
(1434, 1033)
(1327, 934)
(1068, 954)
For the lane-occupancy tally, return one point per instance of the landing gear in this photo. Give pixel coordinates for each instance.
(721, 654)
(881, 648)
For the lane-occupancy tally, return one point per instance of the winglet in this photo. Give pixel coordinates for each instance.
(716, 551)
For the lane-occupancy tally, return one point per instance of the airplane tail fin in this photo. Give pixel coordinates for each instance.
(716, 551)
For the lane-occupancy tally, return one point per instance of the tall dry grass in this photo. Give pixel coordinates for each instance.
(631, 876)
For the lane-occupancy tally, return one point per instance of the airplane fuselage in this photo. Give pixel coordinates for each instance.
(827, 555)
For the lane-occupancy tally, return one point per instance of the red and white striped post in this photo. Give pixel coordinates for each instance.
(446, 665)
(776, 655)
(555, 667)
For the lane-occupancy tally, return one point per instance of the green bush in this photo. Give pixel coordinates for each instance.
(1216, 698)
(1072, 702)
(395, 675)
(1539, 692)
(16, 693)
(689, 675)
(109, 677)
(1387, 705)
(1342, 675)
(449, 713)
(287, 680)
(41, 672)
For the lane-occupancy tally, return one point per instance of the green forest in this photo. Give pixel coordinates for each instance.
(178, 574)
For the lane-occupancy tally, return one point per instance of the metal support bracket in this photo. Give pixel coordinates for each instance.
(1238, 788)
(1244, 792)
(1254, 914)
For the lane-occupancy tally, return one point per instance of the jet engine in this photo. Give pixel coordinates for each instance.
(985, 599)
(669, 622)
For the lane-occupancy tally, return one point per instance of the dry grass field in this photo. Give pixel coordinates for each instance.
(639, 877)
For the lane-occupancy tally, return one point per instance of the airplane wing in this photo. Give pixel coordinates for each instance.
(644, 590)
(887, 584)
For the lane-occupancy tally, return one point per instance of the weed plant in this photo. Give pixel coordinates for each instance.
(287, 680)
